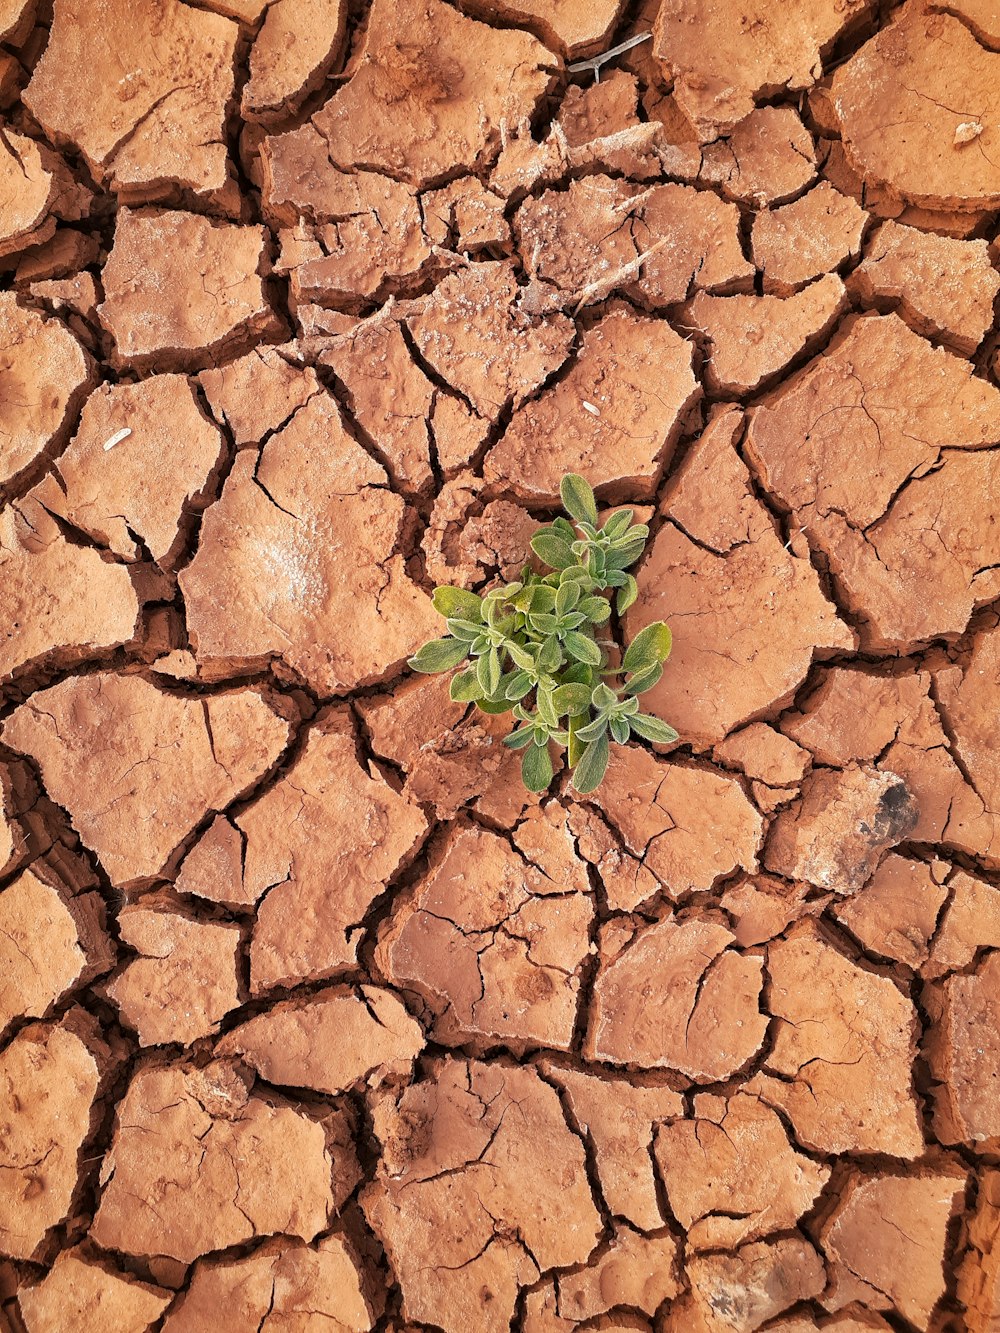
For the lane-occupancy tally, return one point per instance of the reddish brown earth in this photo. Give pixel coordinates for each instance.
(311, 1018)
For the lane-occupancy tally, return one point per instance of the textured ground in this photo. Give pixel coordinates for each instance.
(311, 1019)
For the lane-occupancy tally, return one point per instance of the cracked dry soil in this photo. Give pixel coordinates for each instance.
(310, 1017)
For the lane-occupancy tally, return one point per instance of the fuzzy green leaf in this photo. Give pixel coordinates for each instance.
(493, 670)
(596, 609)
(603, 698)
(593, 764)
(593, 730)
(567, 597)
(451, 602)
(518, 686)
(619, 730)
(546, 707)
(465, 686)
(552, 549)
(544, 622)
(626, 554)
(438, 655)
(550, 655)
(650, 646)
(644, 680)
(466, 630)
(517, 740)
(618, 524)
(578, 499)
(652, 729)
(581, 648)
(571, 699)
(627, 594)
(493, 706)
(536, 767)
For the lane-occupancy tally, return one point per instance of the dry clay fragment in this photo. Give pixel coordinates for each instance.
(838, 443)
(332, 1041)
(897, 914)
(965, 703)
(182, 290)
(721, 63)
(874, 410)
(945, 287)
(466, 213)
(901, 100)
(292, 54)
(854, 715)
(890, 1234)
(62, 602)
(970, 922)
(811, 236)
(480, 1186)
(132, 491)
(197, 1164)
(463, 546)
(762, 907)
(49, 1078)
(137, 768)
(16, 19)
(281, 1285)
(78, 1293)
(35, 188)
(745, 1289)
(452, 755)
(625, 880)
(348, 238)
(979, 1273)
(158, 121)
(618, 1119)
(391, 399)
(721, 576)
(731, 1175)
(963, 1051)
(296, 560)
(50, 943)
(750, 339)
(44, 376)
(635, 1271)
(615, 416)
(321, 843)
(257, 393)
(767, 158)
(185, 979)
(979, 15)
(842, 1052)
(689, 826)
(764, 755)
(678, 997)
(421, 107)
(836, 834)
(494, 941)
(659, 245)
(571, 27)
(472, 332)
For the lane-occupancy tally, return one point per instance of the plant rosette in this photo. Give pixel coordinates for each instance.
(532, 648)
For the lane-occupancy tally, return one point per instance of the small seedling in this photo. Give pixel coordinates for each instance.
(531, 647)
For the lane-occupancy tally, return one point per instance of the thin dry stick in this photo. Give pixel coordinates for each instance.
(597, 291)
(595, 62)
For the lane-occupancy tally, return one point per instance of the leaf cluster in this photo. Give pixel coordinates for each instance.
(533, 647)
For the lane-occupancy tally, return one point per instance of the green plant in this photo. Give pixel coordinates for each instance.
(531, 647)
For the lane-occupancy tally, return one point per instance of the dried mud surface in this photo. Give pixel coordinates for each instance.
(310, 1017)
